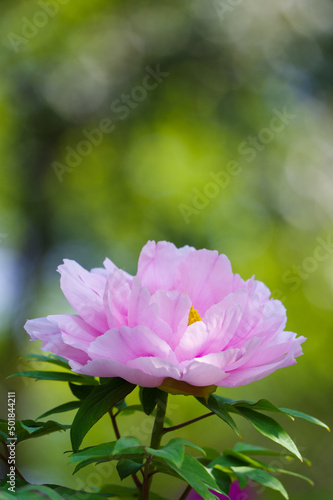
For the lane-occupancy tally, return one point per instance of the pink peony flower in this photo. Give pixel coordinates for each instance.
(184, 317)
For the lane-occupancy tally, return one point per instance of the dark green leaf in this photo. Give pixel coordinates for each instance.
(72, 405)
(52, 358)
(250, 449)
(99, 401)
(108, 451)
(80, 391)
(149, 398)
(271, 429)
(33, 492)
(299, 414)
(174, 450)
(196, 475)
(214, 405)
(114, 490)
(56, 376)
(26, 429)
(223, 480)
(126, 443)
(127, 467)
(264, 478)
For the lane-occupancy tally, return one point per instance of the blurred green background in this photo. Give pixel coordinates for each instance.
(229, 67)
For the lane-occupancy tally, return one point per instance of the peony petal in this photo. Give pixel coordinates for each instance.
(158, 263)
(142, 310)
(174, 309)
(116, 298)
(192, 342)
(49, 333)
(130, 343)
(207, 278)
(74, 331)
(201, 374)
(84, 290)
(110, 368)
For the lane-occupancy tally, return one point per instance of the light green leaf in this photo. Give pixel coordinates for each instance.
(299, 414)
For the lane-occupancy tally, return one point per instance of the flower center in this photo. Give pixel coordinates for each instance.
(193, 316)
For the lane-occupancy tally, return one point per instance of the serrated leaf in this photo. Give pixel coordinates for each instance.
(27, 429)
(271, 429)
(100, 400)
(305, 416)
(72, 405)
(127, 467)
(213, 404)
(52, 358)
(55, 376)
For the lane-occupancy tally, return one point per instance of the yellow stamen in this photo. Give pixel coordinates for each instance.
(193, 316)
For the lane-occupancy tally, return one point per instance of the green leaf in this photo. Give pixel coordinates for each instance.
(72, 405)
(149, 398)
(127, 467)
(108, 451)
(271, 429)
(214, 405)
(69, 494)
(114, 490)
(80, 391)
(264, 478)
(250, 449)
(56, 376)
(26, 429)
(126, 443)
(99, 401)
(52, 358)
(33, 492)
(196, 475)
(174, 450)
(223, 480)
(299, 414)
(130, 409)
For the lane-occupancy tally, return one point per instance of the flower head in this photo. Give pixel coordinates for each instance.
(185, 318)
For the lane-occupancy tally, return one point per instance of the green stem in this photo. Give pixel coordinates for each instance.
(155, 442)
(135, 478)
(159, 421)
(184, 424)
